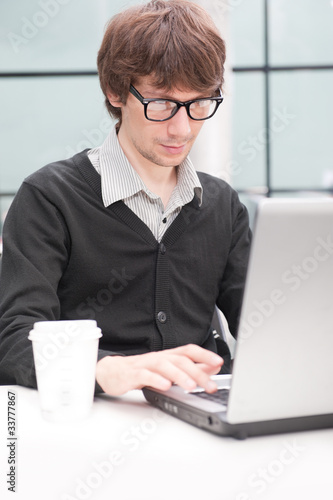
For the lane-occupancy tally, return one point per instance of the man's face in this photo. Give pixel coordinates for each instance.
(157, 143)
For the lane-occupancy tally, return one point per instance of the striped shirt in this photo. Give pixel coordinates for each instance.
(119, 181)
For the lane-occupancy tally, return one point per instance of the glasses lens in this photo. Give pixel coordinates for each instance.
(202, 109)
(160, 110)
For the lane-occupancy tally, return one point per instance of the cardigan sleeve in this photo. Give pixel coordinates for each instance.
(232, 284)
(35, 250)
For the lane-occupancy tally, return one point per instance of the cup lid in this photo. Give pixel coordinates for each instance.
(74, 329)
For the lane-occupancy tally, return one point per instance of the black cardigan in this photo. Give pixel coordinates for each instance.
(66, 256)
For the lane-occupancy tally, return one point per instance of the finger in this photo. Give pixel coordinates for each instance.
(117, 386)
(176, 370)
(199, 373)
(199, 354)
(211, 370)
(185, 369)
(185, 373)
(154, 380)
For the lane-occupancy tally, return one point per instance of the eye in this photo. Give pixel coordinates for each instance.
(202, 109)
(201, 104)
(160, 110)
(161, 105)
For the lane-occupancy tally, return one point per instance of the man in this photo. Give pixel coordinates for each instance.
(129, 234)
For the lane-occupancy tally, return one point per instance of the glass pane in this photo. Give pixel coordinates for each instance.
(301, 32)
(249, 141)
(251, 203)
(302, 147)
(5, 202)
(247, 31)
(47, 119)
(53, 34)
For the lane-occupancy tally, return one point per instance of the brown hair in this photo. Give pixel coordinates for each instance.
(174, 41)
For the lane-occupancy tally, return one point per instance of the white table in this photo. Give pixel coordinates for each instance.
(127, 450)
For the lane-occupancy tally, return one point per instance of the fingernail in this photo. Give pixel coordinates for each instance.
(211, 386)
(190, 384)
(216, 359)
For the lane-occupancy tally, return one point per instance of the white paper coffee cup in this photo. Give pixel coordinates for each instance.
(65, 355)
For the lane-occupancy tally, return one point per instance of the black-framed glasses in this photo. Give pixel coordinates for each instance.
(160, 110)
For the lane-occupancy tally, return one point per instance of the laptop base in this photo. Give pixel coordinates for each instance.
(217, 423)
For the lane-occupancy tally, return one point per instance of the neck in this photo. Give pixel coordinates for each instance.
(159, 180)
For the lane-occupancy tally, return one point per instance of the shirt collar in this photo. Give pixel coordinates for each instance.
(119, 180)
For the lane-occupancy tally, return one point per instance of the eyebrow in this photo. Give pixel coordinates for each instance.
(167, 96)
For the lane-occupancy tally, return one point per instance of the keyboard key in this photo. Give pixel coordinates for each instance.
(220, 396)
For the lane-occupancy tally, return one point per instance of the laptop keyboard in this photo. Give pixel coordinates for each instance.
(220, 396)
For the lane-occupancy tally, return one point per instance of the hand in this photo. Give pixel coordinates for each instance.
(187, 366)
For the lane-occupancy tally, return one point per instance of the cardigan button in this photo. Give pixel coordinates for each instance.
(162, 248)
(162, 317)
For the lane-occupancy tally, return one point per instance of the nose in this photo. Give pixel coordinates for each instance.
(179, 124)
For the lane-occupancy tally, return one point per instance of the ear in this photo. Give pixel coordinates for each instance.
(114, 100)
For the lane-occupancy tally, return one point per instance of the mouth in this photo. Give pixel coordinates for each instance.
(174, 150)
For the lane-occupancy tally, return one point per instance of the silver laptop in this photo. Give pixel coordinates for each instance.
(282, 378)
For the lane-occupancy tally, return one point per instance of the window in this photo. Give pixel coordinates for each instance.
(283, 103)
(282, 59)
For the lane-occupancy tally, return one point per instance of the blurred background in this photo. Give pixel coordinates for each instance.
(272, 136)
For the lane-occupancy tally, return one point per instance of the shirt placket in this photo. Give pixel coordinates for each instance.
(172, 210)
